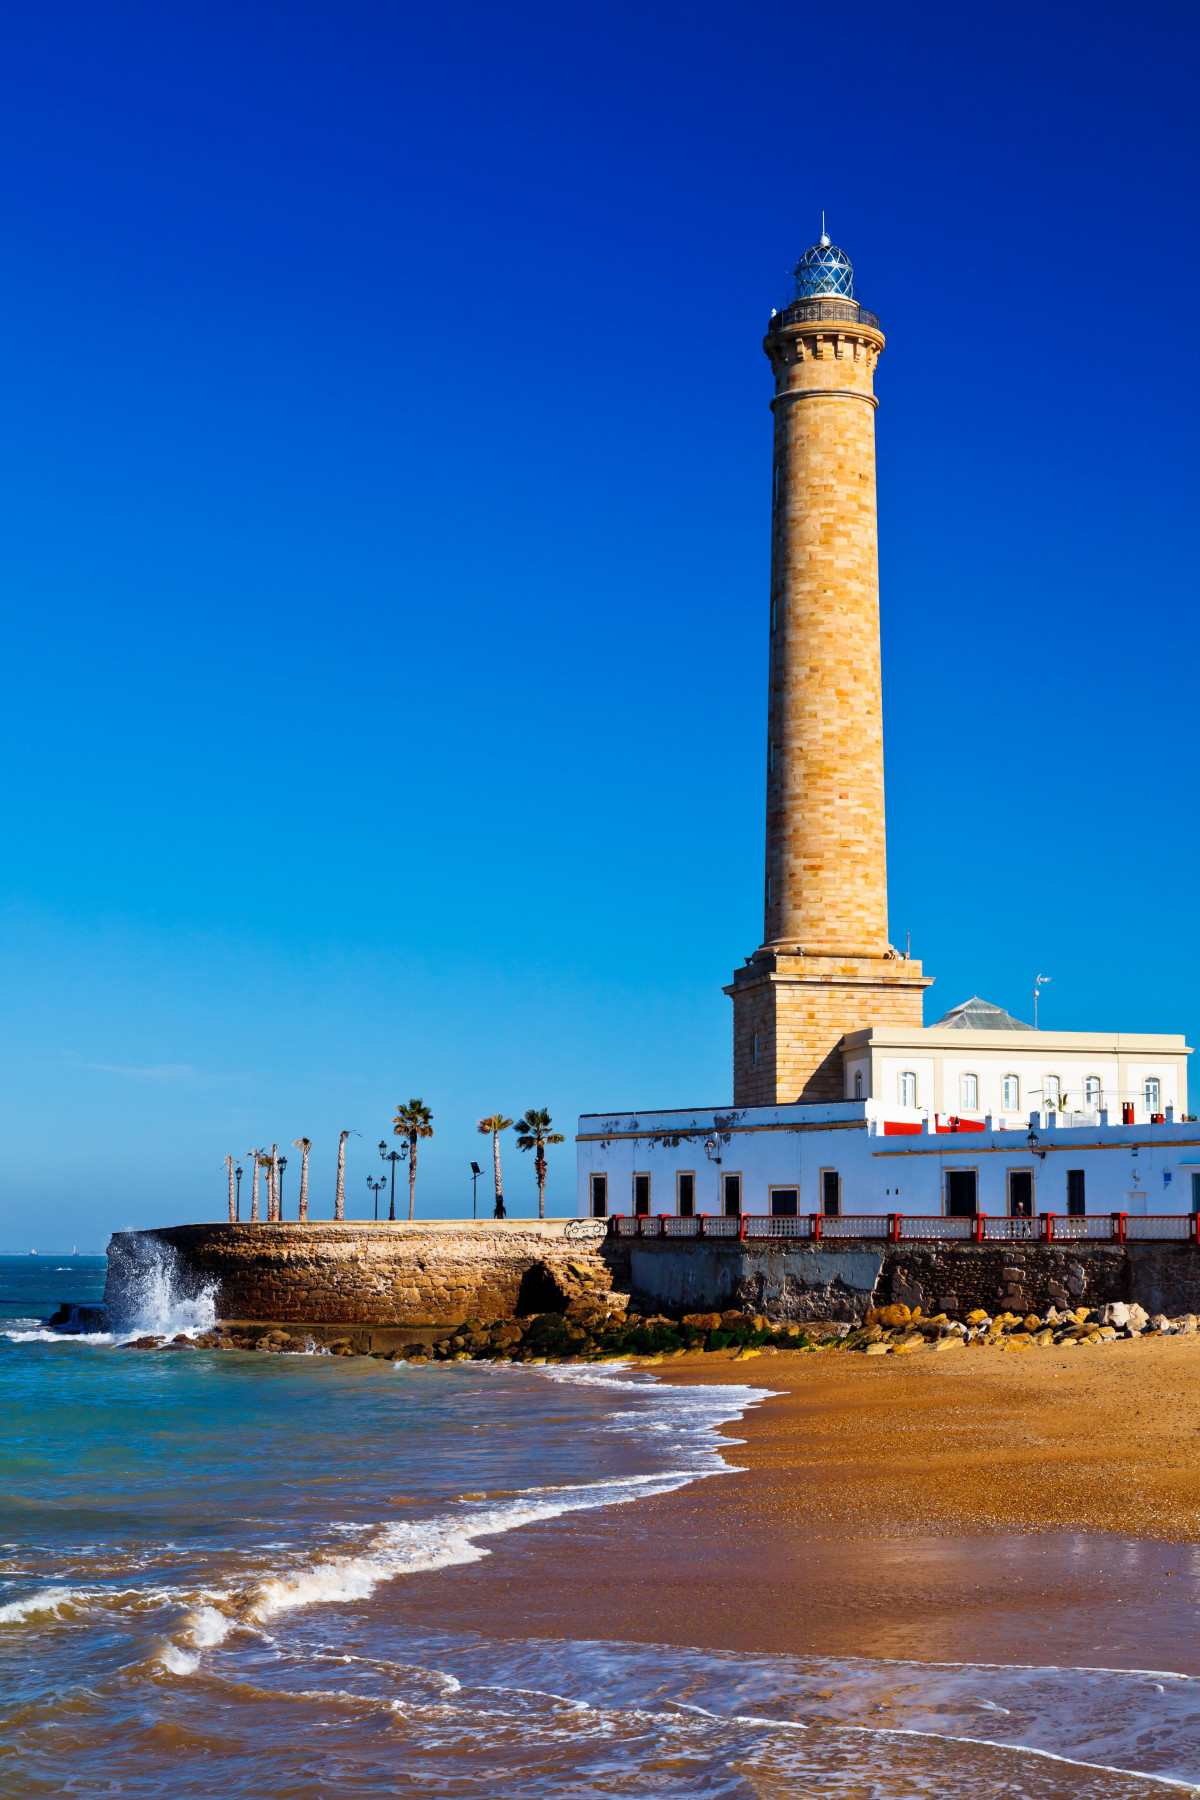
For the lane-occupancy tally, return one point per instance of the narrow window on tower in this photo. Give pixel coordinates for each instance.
(770, 756)
(756, 1049)
(768, 892)
(774, 613)
(775, 495)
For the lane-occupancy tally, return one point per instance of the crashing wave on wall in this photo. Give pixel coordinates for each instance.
(149, 1289)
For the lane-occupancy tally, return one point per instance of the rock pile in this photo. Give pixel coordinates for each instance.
(597, 1327)
(600, 1335)
(896, 1328)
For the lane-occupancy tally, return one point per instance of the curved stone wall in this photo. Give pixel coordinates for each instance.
(400, 1275)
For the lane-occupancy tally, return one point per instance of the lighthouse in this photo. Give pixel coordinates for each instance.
(825, 966)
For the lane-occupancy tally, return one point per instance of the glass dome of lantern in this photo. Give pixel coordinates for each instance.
(824, 271)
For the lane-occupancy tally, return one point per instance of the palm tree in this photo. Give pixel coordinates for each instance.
(495, 1125)
(412, 1122)
(254, 1156)
(263, 1160)
(534, 1133)
(232, 1195)
(339, 1198)
(304, 1145)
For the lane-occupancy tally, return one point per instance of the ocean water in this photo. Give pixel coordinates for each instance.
(198, 1551)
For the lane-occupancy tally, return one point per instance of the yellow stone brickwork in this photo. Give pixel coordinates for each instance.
(790, 1014)
(825, 966)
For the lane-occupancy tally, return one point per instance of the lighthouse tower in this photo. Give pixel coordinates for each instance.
(825, 966)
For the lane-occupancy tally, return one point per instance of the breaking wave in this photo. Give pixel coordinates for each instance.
(46, 1600)
(149, 1291)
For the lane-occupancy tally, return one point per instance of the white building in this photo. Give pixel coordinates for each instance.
(979, 1060)
(861, 1160)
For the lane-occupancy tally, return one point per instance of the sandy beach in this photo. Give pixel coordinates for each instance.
(1010, 1506)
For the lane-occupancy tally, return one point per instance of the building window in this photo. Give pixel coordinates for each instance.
(1012, 1093)
(1076, 1206)
(731, 1189)
(1093, 1094)
(1150, 1093)
(599, 1196)
(1020, 1193)
(1196, 1193)
(831, 1193)
(785, 1203)
(1052, 1091)
(960, 1193)
(908, 1088)
(641, 1194)
(685, 1194)
(968, 1092)
(858, 1084)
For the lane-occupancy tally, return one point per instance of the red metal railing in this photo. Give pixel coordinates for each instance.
(1047, 1228)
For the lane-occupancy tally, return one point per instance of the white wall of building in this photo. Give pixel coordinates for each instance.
(1145, 1169)
(939, 1060)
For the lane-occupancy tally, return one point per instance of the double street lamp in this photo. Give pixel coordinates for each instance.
(375, 1187)
(393, 1157)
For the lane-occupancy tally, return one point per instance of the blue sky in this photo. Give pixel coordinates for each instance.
(384, 468)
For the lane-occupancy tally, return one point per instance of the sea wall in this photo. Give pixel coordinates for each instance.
(408, 1276)
(802, 1282)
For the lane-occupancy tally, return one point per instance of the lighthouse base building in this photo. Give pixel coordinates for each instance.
(849, 1116)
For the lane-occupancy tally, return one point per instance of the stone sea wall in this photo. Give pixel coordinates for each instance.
(411, 1278)
(807, 1282)
(406, 1276)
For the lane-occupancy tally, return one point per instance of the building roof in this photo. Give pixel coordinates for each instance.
(978, 1015)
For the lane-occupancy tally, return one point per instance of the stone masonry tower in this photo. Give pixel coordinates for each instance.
(825, 966)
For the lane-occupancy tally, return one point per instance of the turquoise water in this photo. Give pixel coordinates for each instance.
(200, 1555)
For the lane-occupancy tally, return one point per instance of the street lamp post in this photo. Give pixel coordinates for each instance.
(375, 1187)
(393, 1157)
(476, 1172)
(281, 1165)
(237, 1206)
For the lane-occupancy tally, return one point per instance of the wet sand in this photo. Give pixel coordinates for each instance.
(1026, 1506)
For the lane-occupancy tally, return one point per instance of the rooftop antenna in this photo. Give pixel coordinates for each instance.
(1036, 986)
(824, 234)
